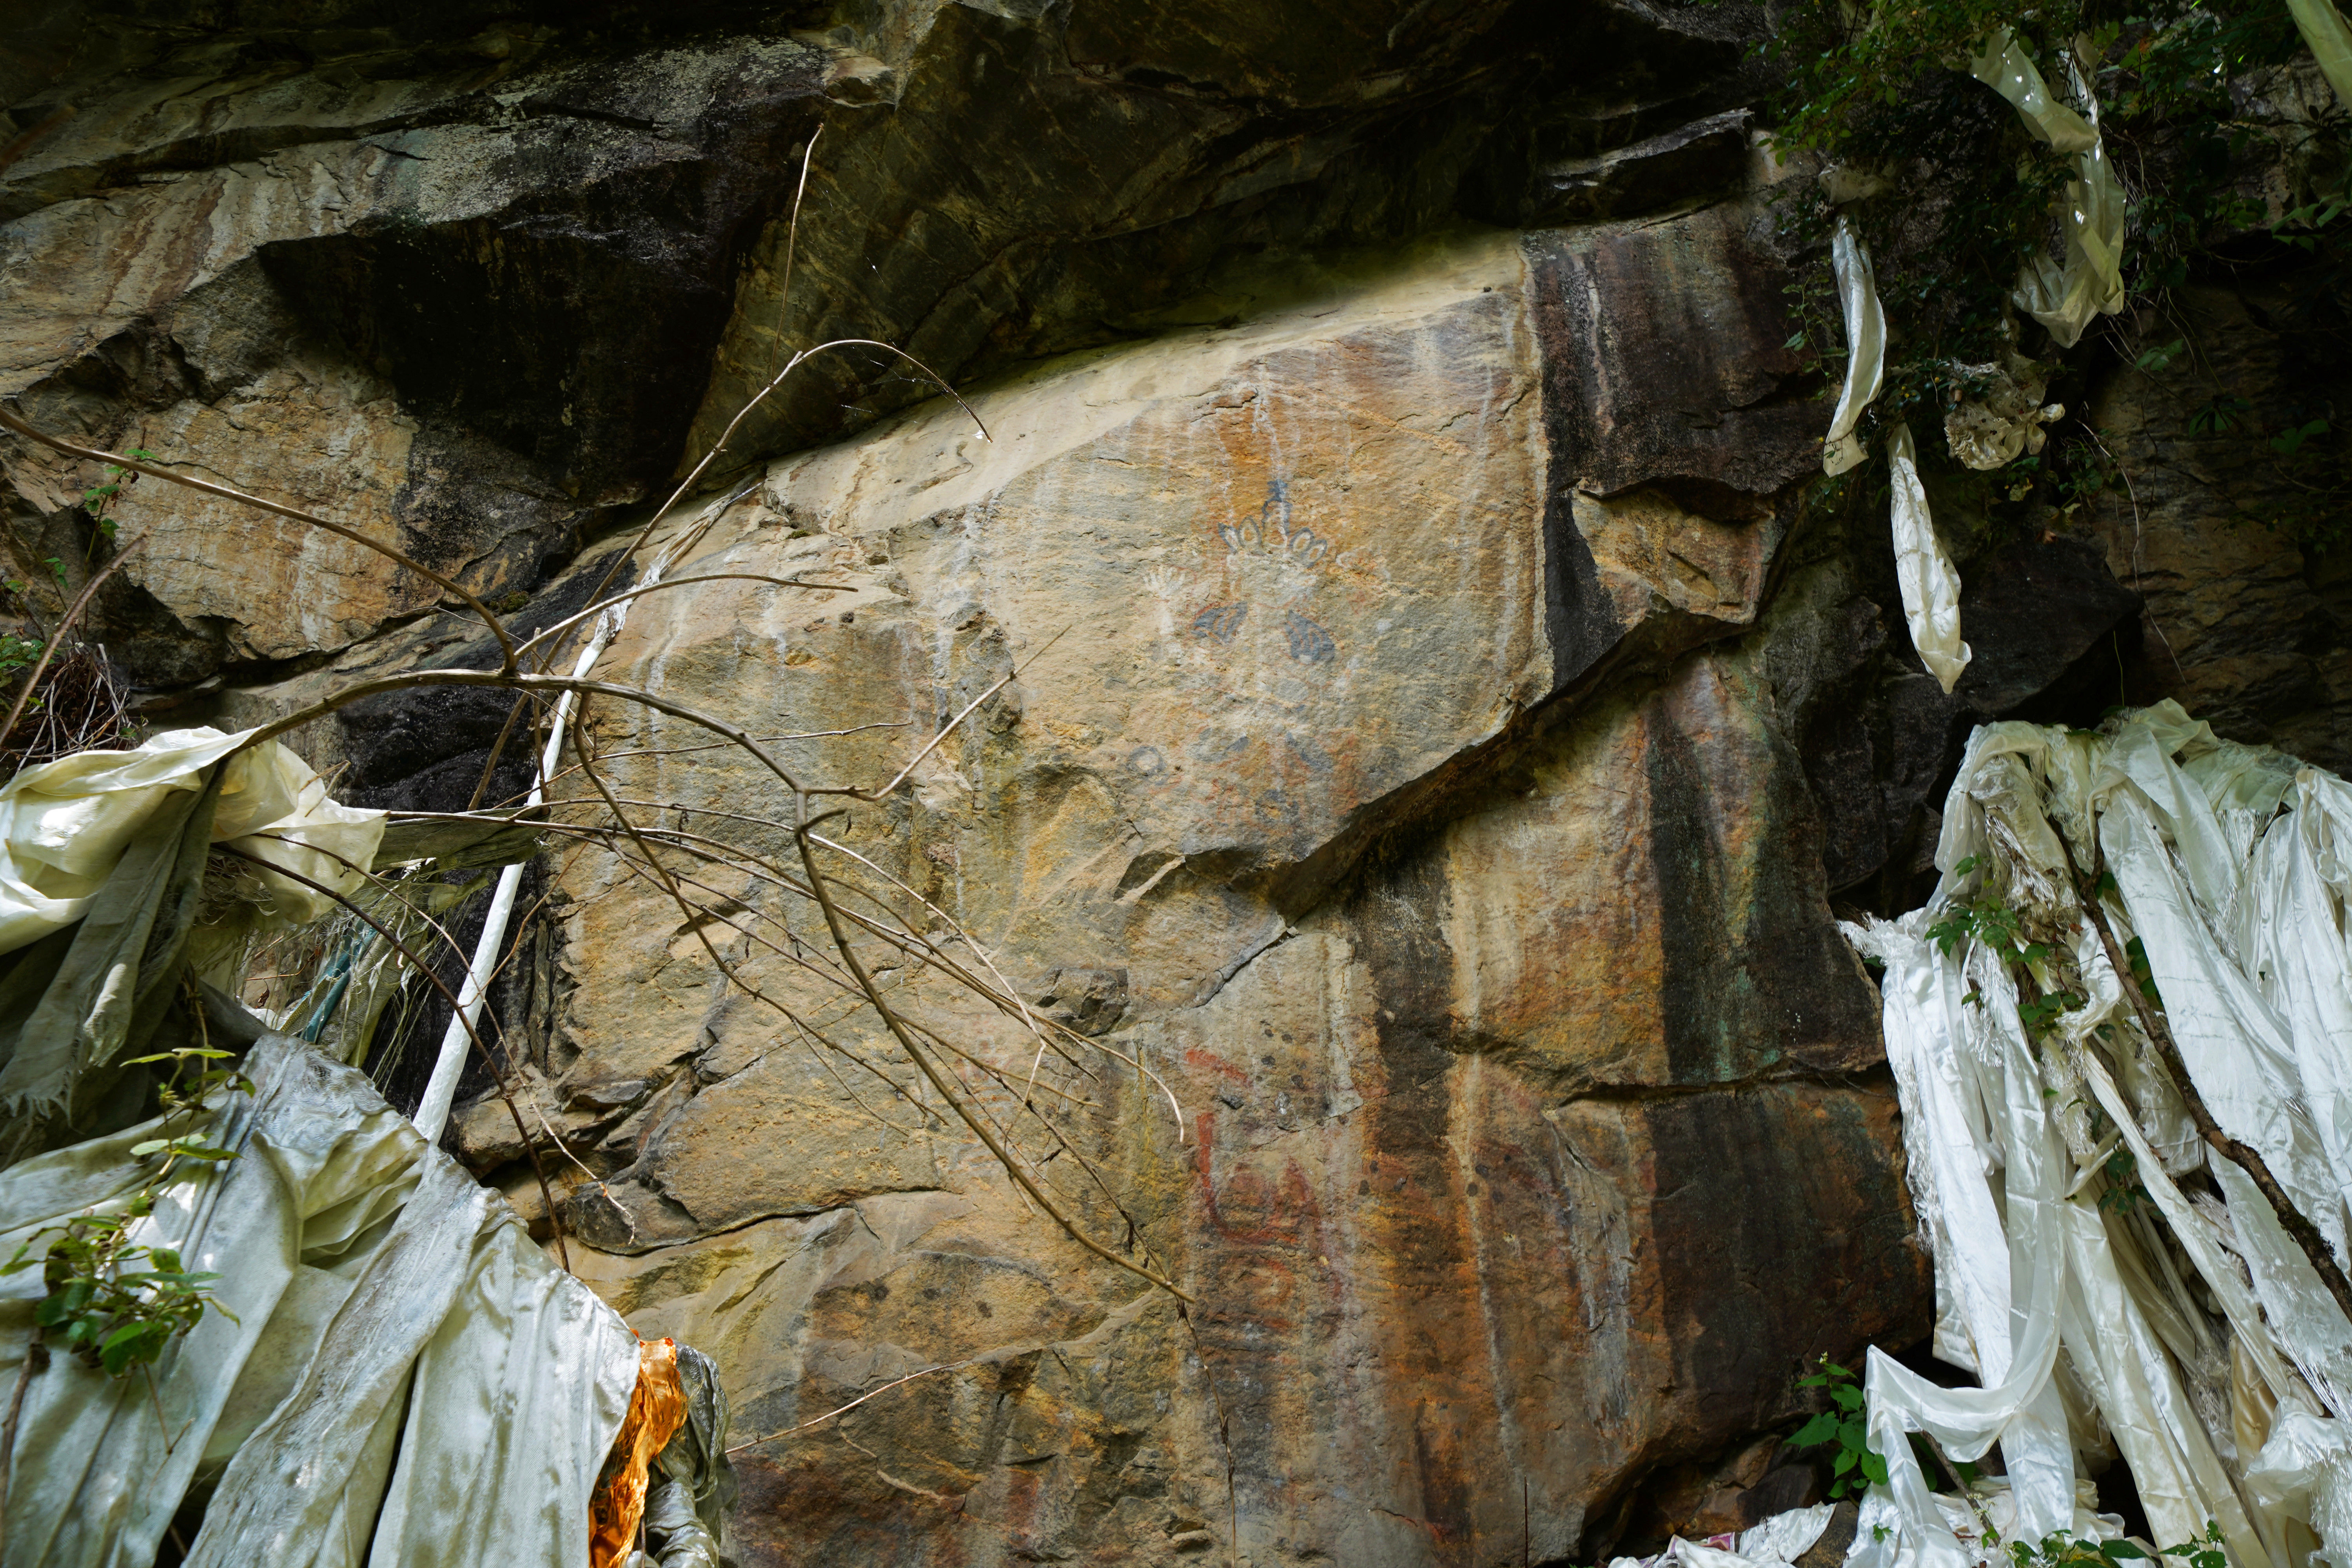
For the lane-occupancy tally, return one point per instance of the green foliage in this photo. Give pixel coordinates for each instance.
(1991, 924)
(2124, 1189)
(1997, 926)
(1856, 1463)
(2039, 1014)
(18, 653)
(112, 1302)
(1884, 89)
(2143, 976)
(115, 1302)
(2064, 1551)
(99, 499)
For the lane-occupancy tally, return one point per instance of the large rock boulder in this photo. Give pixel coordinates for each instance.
(1357, 777)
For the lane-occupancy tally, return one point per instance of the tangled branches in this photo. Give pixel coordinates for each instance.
(815, 934)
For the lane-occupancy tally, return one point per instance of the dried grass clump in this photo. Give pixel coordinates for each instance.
(78, 704)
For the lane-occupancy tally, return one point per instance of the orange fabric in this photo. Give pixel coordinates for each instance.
(657, 1410)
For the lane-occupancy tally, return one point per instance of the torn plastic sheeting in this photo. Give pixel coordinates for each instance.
(2066, 1295)
(2290, 937)
(676, 1534)
(2063, 295)
(64, 823)
(2009, 71)
(2227, 866)
(1774, 1542)
(657, 1410)
(1866, 345)
(2172, 860)
(2005, 421)
(2305, 1471)
(437, 1323)
(694, 1483)
(1930, 583)
(2329, 40)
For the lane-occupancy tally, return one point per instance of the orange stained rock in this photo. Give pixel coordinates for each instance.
(656, 1410)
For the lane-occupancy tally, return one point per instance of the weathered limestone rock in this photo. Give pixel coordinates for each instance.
(559, 248)
(1483, 1009)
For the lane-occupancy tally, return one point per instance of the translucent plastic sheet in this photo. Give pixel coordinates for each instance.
(2217, 1363)
(398, 1343)
(1866, 342)
(2063, 295)
(63, 825)
(1773, 1543)
(1930, 584)
(2330, 40)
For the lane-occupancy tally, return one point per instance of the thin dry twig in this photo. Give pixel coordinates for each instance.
(938, 1081)
(846, 1409)
(90, 591)
(488, 1061)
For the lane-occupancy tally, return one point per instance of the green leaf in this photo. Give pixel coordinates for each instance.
(1820, 1429)
(2119, 1551)
(126, 1347)
(1848, 1397)
(1845, 1462)
(1873, 1465)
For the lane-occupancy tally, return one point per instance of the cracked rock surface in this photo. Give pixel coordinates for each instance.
(1440, 715)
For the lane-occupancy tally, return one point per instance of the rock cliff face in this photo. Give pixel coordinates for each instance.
(1437, 719)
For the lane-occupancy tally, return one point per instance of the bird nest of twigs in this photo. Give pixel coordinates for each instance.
(80, 705)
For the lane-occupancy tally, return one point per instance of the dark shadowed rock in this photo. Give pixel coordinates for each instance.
(1707, 157)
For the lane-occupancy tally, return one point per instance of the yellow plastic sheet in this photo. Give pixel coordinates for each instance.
(63, 825)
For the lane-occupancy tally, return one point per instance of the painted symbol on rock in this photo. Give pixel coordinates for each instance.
(1273, 563)
(1309, 643)
(1220, 622)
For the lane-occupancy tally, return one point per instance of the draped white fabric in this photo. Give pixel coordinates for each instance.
(2219, 1371)
(1930, 583)
(1865, 346)
(398, 1345)
(64, 824)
